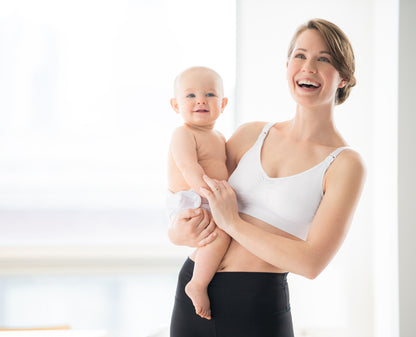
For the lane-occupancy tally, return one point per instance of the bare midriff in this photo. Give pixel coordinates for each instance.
(238, 258)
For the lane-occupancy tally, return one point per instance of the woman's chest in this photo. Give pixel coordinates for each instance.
(284, 159)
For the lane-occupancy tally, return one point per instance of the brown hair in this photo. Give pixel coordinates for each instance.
(340, 50)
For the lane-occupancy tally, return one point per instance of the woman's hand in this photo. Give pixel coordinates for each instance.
(223, 203)
(192, 228)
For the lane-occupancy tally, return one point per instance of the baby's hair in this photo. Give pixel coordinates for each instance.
(202, 69)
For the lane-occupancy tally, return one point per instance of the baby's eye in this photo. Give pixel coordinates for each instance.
(191, 95)
(300, 56)
(210, 94)
(324, 59)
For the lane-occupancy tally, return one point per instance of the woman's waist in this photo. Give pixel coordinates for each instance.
(240, 275)
(239, 259)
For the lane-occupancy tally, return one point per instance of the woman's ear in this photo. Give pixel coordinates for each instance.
(342, 84)
(174, 105)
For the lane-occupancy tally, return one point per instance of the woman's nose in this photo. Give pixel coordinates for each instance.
(309, 66)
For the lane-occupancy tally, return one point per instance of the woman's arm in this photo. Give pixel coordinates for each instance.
(344, 180)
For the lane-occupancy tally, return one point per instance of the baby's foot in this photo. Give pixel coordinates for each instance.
(199, 296)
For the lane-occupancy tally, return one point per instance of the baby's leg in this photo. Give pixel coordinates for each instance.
(207, 260)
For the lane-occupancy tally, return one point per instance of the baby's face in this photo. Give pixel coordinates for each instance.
(199, 97)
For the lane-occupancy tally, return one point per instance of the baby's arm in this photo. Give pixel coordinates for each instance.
(184, 152)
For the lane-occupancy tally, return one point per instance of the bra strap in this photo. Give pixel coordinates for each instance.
(335, 153)
(260, 139)
(265, 130)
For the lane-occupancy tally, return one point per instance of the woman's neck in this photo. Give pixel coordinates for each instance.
(313, 124)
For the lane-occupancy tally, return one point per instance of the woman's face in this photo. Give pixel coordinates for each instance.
(313, 80)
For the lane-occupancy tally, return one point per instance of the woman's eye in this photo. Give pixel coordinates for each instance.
(324, 59)
(300, 56)
(191, 95)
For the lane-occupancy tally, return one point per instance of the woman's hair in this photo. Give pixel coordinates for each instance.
(340, 50)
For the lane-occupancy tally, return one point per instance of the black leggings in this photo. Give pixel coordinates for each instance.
(243, 304)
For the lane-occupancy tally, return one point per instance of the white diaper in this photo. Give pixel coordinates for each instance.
(176, 202)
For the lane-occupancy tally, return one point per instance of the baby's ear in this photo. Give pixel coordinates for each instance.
(174, 104)
(224, 103)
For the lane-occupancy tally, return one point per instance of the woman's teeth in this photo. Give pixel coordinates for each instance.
(308, 84)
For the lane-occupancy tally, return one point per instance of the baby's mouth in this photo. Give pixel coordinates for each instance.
(201, 110)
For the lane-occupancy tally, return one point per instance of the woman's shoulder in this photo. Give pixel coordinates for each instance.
(249, 130)
(349, 165)
(246, 135)
(352, 160)
(242, 140)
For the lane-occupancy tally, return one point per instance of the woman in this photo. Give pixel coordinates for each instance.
(297, 184)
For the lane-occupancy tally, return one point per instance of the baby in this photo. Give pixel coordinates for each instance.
(196, 150)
